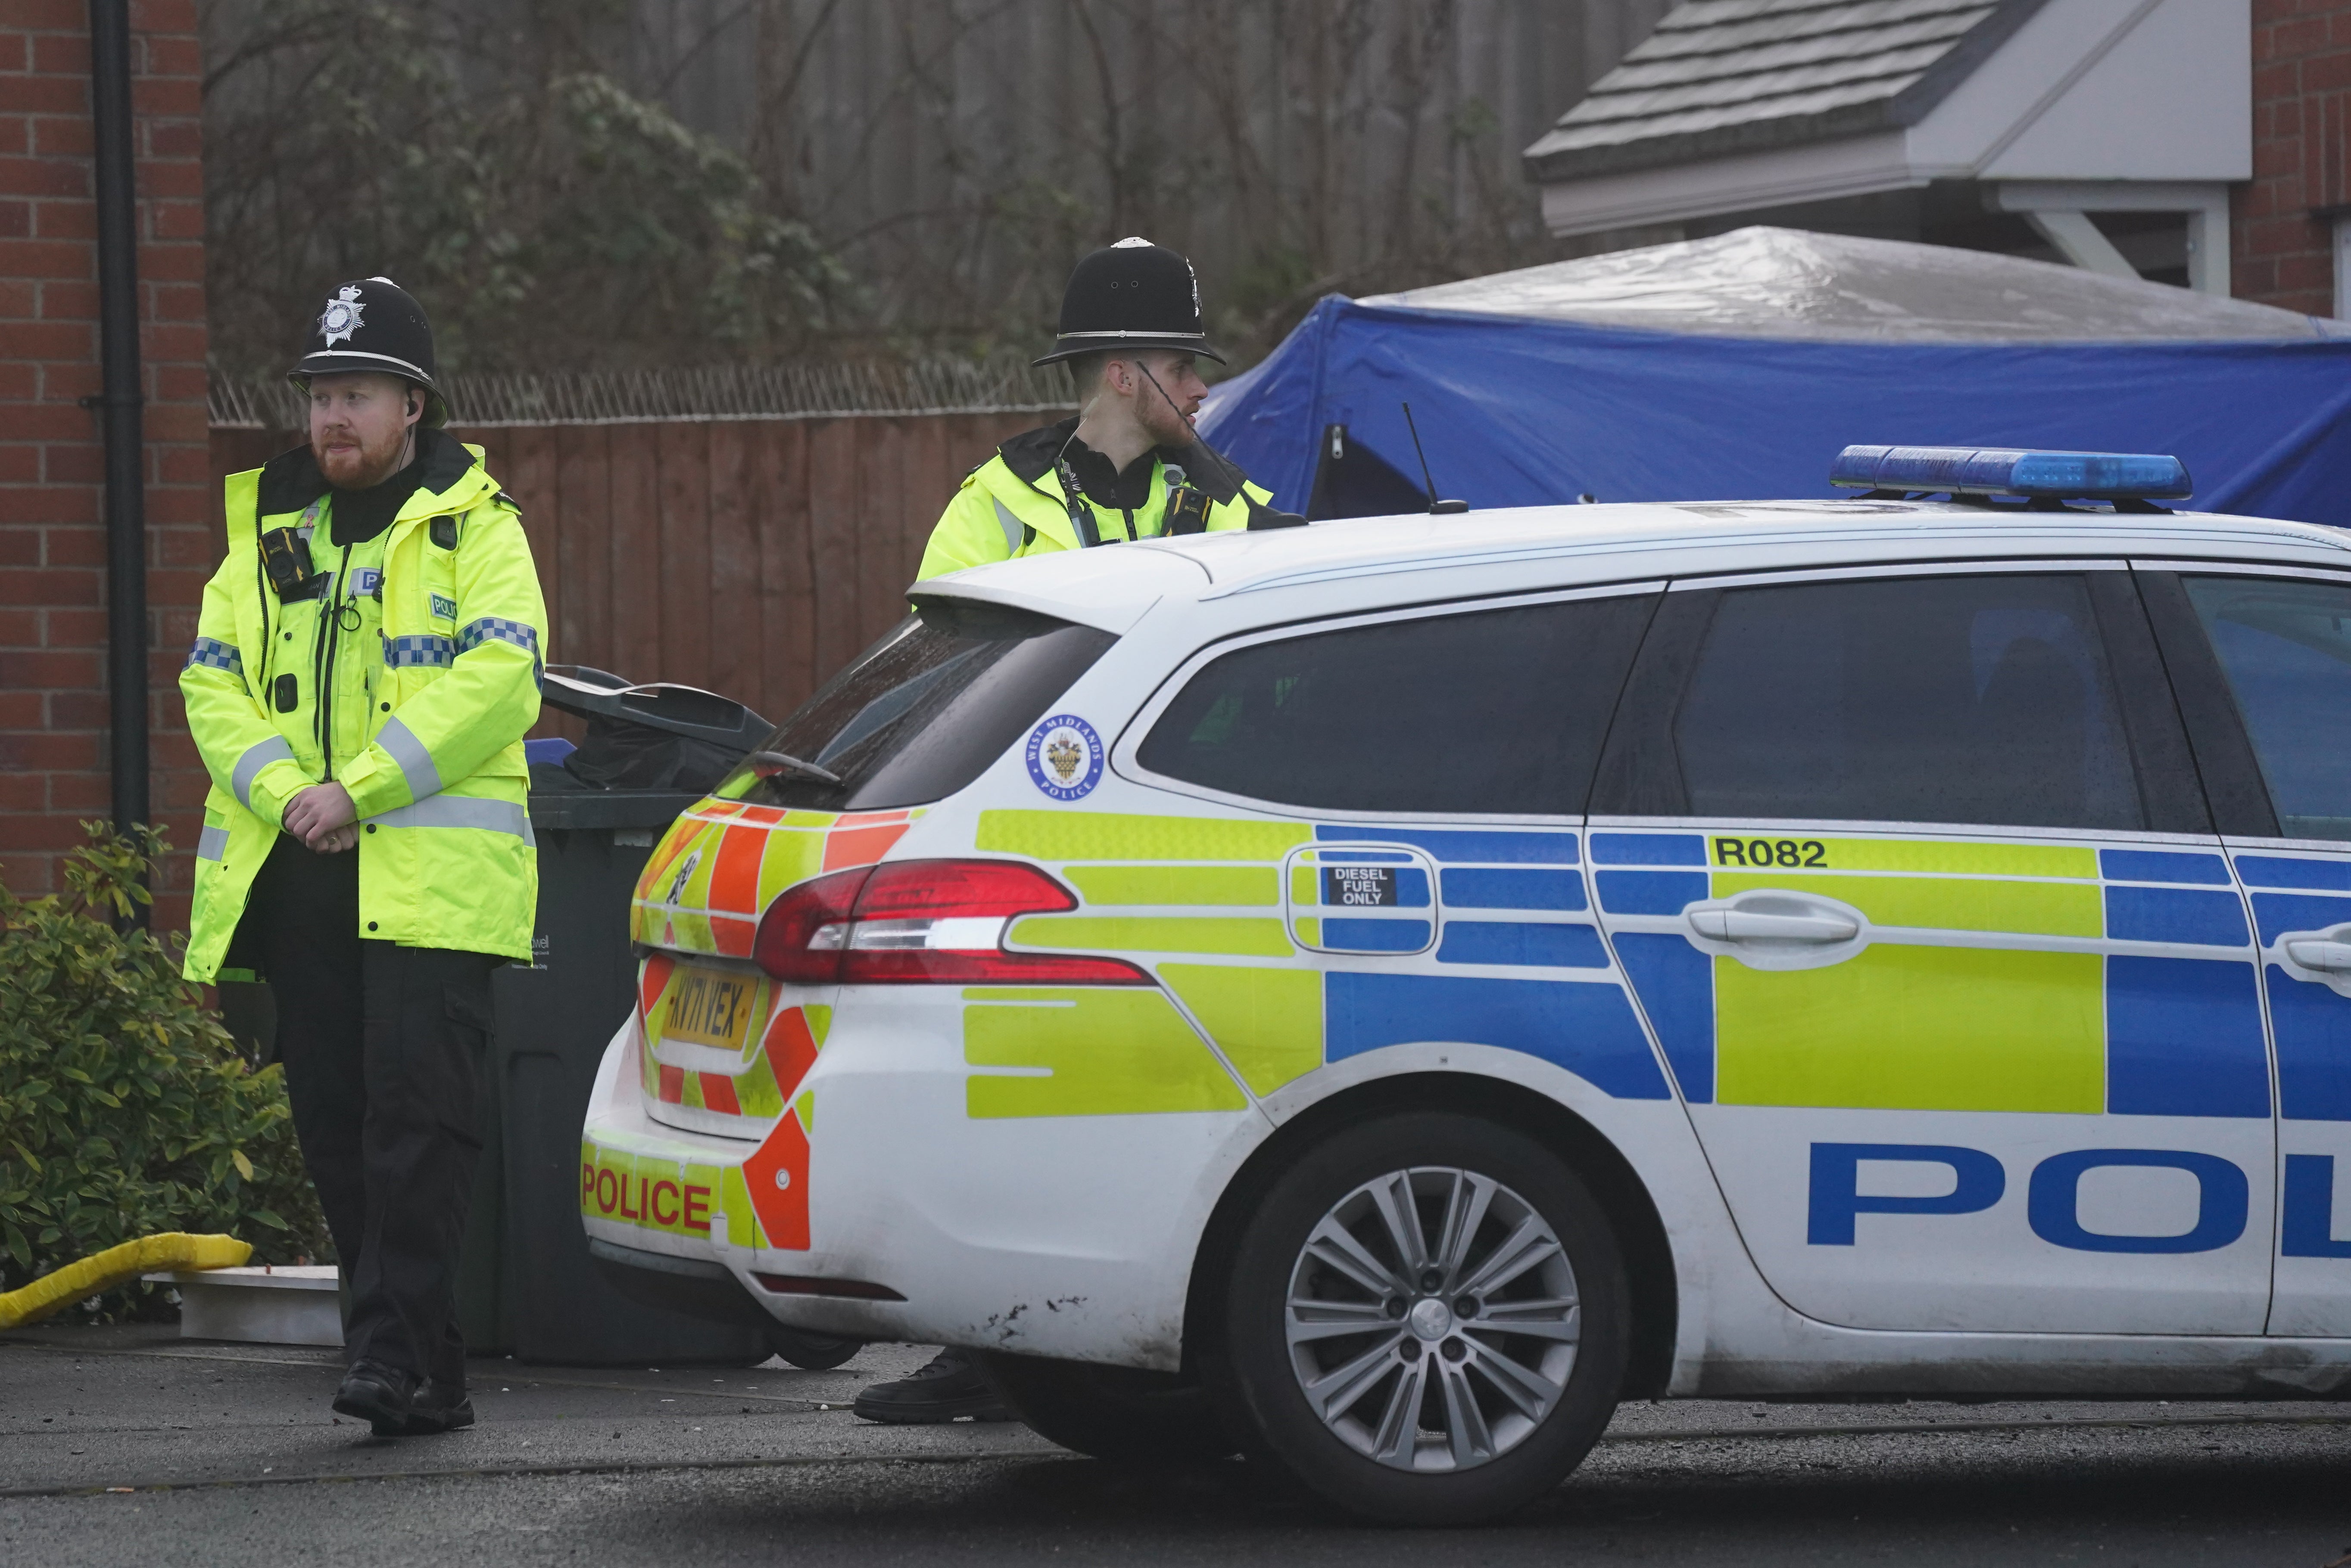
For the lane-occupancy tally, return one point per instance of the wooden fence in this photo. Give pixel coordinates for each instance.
(752, 556)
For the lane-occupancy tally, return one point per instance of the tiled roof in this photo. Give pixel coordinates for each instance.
(1733, 76)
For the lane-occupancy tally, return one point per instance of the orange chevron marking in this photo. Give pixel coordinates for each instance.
(782, 1207)
(791, 1049)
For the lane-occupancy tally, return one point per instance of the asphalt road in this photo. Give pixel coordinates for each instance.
(126, 1446)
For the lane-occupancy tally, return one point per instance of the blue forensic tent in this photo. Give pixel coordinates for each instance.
(1737, 367)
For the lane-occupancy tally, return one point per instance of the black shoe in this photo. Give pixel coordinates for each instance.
(378, 1395)
(950, 1387)
(438, 1407)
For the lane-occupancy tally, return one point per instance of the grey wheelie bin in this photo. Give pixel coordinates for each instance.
(532, 1287)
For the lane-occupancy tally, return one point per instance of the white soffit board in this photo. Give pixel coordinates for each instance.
(2104, 90)
(1816, 172)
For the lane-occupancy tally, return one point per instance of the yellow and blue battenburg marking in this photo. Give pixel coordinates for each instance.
(2066, 1019)
(1512, 900)
(1291, 944)
(2311, 1023)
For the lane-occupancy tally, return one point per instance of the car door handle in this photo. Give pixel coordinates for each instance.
(2318, 953)
(1735, 925)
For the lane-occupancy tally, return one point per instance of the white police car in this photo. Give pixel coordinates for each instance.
(1388, 991)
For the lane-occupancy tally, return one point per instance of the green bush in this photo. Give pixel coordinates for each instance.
(125, 1107)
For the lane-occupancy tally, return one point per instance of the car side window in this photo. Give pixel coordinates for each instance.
(1487, 711)
(1962, 699)
(2284, 646)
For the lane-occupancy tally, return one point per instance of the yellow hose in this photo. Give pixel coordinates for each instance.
(117, 1265)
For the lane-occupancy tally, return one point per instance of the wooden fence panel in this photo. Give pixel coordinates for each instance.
(527, 467)
(751, 556)
(787, 583)
(831, 475)
(680, 517)
(639, 565)
(583, 494)
(881, 574)
(737, 624)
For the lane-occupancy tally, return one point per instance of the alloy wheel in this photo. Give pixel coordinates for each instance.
(1432, 1318)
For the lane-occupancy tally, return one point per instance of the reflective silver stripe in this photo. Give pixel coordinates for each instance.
(415, 761)
(1011, 526)
(211, 843)
(306, 369)
(257, 756)
(463, 811)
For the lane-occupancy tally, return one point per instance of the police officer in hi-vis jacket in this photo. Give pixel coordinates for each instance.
(367, 662)
(1127, 465)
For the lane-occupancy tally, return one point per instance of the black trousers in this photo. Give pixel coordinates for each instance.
(381, 1045)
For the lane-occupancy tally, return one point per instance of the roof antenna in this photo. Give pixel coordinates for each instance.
(1435, 508)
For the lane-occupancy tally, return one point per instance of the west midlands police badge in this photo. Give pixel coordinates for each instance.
(1065, 757)
(342, 317)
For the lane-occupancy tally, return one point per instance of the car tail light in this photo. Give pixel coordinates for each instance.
(922, 922)
(803, 934)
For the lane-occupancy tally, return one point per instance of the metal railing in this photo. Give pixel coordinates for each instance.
(808, 389)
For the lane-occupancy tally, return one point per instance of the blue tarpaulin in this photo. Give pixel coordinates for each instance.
(1519, 410)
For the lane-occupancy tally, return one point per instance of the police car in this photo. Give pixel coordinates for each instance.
(1375, 995)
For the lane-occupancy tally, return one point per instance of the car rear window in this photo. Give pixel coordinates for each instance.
(1499, 711)
(2285, 647)
(921, 712)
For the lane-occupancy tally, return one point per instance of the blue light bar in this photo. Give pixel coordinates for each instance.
(2010, 471)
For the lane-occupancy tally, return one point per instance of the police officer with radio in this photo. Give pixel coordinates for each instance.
(1128, 465)
(366, 664)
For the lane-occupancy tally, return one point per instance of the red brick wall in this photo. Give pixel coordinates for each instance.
(53, 631)
(2284, 244)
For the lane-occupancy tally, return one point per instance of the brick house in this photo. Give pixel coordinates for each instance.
(54, 757)
(1811, 112)
(2196, 143)
(2292, 222)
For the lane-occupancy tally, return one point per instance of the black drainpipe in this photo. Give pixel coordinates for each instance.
(120, 403)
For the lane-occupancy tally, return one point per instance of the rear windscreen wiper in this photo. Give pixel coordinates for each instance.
(780, 762)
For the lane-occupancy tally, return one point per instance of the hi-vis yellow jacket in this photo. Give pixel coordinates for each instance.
(1013, 505)
(447, 688)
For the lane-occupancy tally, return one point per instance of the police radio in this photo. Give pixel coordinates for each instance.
(1259, 516)
(1081, 516)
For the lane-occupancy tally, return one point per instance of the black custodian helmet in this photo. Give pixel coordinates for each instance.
(1131, 295)
(374, 324)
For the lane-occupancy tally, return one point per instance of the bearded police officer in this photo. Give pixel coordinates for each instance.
(366, 665)
(1128, 465)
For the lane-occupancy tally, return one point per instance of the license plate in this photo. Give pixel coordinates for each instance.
(710, 1007)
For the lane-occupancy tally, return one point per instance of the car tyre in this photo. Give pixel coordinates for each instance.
(1450, 1387)
(810, 1351)
(1122, 1414)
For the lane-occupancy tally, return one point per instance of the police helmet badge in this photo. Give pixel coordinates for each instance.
(1065, 757)
(342, 317)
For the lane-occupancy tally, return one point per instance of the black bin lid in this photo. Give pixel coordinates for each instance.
(661, 705)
